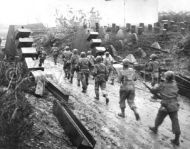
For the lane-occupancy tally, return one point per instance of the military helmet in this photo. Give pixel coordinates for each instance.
(75, 51)
(169, 75)
(98, 59)
(67, 48)
(83, 54)
(153, 56)
(89, 52)
(126, 62)
(107, 53)
(34, 44)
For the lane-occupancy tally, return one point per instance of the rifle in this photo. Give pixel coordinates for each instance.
(152, 92)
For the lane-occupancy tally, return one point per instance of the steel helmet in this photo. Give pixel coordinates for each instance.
(83, 54)
(107, 53)
(169, 75)
(126, 62)
(98, 59)
(34, 44)
(153, 56)
(89, 52)
(75, 51)
(66, 48)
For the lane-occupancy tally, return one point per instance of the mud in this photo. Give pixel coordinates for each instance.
(109, 130)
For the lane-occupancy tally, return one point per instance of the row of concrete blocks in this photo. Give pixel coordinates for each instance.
(157, 27)
(24, 42)
(95, 44)
(78, 134)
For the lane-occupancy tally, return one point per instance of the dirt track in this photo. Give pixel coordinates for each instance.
(109, 130)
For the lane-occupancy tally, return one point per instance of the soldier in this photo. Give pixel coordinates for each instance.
(34, 45)
(55, 51)
(127, 76)
(91, 59)
(84, 68)
(74, 62)
(42, 56)
(67, 61)
(108, 61)
(100, 73)
(153, 67)
(168, 91)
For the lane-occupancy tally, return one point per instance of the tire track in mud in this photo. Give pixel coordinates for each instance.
(111, 131)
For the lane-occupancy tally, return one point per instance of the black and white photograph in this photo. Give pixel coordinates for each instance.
(94, 74)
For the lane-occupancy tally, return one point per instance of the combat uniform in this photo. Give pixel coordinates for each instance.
(127, 90)
(92, 61)
(67, 63)
(153, 67)
(169, 106)
(84, 68)
(42, 57)
(109, 64)
(101, 75)
(74, 62)
(55, 54)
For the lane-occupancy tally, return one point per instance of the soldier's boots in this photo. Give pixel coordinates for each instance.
(84, 90)
(107, 100)
(154, 97)
(122, 114)
(176, 140)
(112, 82)
(154, 129)
(97, 98)
(55, 62)
(40, 64)
(68, 76)
(71, 80)
(65, 75)
(137, 116)
(78, 84)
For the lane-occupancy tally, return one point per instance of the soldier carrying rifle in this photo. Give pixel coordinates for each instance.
(127, 76)
(168, 92)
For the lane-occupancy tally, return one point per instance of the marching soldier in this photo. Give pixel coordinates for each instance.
(127, 76)
(74, 62)
(101, 76)
(108, 61)
(84, 68)
(153, 67)
(42, 57)
(168, 91)
(67, 61)
(34, 45)
(91, 59)
(55, 53)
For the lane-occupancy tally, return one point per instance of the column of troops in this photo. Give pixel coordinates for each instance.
(101, 69)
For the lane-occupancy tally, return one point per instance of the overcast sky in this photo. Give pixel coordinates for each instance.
(32, 11)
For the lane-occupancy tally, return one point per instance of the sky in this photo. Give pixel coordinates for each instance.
(34, 11)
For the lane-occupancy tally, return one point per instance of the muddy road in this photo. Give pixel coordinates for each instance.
(113, 132)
